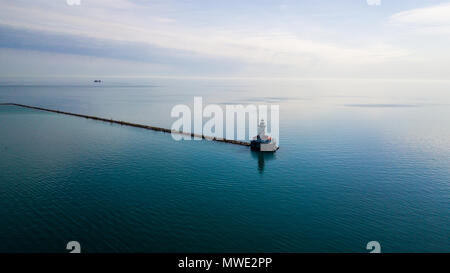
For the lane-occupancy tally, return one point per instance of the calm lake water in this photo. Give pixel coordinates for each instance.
(359, 161)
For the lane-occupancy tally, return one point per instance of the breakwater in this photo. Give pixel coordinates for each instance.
(148, 127)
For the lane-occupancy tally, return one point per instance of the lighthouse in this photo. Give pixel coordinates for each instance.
(263, 142)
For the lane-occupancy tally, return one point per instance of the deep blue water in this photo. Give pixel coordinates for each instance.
(355, 164)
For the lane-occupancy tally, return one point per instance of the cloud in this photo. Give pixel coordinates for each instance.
(431, 20)
(161, 34)
(34, 63)
(117, 22)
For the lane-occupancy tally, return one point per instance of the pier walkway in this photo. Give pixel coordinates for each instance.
(148, 127)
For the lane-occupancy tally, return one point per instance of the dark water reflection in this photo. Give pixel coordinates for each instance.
(262, 157)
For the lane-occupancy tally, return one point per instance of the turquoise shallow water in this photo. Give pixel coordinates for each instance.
(351, 169)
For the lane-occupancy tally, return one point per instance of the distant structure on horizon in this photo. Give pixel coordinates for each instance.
(98, 81)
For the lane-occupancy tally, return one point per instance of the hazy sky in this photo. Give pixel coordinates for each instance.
(227, 38)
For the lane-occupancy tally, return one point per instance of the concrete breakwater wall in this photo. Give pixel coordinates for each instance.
(159, 129)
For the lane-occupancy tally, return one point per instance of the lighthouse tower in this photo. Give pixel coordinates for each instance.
(262, 130)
